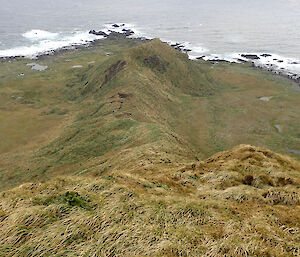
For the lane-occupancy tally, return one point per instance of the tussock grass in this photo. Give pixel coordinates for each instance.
(83, 216)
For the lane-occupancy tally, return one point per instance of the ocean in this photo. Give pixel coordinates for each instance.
(216, 29)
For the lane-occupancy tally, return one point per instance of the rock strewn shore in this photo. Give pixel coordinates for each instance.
(127, 33)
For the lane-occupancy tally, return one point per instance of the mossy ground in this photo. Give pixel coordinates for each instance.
(113, 152)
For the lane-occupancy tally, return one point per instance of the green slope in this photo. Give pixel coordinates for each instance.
(115, 152)
(147, 104)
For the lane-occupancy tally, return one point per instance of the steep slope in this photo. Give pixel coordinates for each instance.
(115, 156)
(141, 109)
(126, 102)
(208, 209)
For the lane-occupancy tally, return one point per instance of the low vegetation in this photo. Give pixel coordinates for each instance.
(128, 156)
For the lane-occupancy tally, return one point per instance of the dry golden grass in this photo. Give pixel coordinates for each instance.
(204, 209)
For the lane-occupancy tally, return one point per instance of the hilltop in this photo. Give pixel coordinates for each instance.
(130, 148)
(208, 209)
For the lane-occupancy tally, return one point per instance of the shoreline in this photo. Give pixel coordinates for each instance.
(120, 31)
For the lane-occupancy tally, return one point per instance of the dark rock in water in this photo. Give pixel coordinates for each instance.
(250, 56)
(187, 50)
(295, 63)
(174, 45)
(265, 55)
(219, 60)
(280, 61)
(114, 34)
(241, 60)
(11, 57)
(179, 47)
(200, 57)
(275, 59)
(127, 32)
(115, 25)
(98, 33)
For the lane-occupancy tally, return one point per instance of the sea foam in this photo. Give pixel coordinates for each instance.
(37, 34)
(273, 62)
(46, 42)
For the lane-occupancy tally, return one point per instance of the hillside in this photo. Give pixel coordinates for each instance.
(208, 209)
(122, 148)
(148, 104)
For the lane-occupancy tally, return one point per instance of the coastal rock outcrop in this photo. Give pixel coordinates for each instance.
(98, 33)
(251, 56)
(265, 55)
(127, 32)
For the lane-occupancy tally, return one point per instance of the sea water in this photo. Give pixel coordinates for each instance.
(216, 29)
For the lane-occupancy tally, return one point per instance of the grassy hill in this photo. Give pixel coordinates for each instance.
(243, 202)
(113, 143)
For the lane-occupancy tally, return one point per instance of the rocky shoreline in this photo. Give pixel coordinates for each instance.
(249, 58)
(121, 31)
(112, 35)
